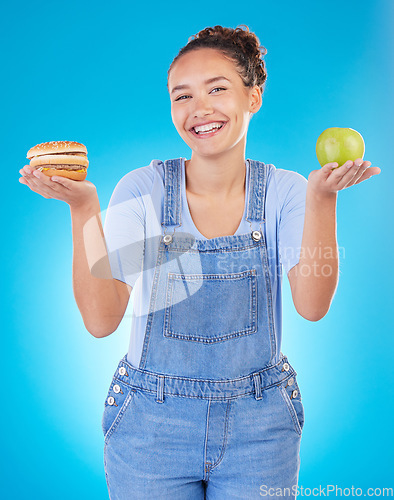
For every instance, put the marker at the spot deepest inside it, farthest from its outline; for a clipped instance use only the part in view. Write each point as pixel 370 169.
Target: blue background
pixel 96 73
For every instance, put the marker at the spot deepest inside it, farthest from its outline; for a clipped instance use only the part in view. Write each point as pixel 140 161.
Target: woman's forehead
pixel 201 65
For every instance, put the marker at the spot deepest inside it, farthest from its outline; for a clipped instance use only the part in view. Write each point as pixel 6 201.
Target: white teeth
pixel 208 128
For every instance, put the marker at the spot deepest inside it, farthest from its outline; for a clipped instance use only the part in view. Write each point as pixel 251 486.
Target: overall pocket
pixel 211 308
pixel 292 397
pixel 116 403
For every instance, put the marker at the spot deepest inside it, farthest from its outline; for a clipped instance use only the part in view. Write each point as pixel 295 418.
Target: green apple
pixel 339 145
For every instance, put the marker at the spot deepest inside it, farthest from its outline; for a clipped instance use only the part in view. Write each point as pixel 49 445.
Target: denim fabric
pixel 214 410
pixel 133 232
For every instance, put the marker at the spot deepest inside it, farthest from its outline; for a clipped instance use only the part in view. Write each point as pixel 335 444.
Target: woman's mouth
pixel 208 130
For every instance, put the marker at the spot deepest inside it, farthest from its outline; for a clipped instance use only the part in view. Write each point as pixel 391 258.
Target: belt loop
pixel 257 385
pixel 160 389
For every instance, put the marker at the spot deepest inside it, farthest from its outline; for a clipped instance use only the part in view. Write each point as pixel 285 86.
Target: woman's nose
pixel 202 106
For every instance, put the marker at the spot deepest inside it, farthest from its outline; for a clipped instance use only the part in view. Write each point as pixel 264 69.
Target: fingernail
pixel 349 164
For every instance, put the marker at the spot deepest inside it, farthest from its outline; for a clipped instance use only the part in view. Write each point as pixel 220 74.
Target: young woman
pixel 204 404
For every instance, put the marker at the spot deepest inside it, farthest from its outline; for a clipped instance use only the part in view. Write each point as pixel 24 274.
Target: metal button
pixel 256 235
pixel 294 394
pixel 117 389
pixel 286 367
pixel 167 239
pixel 290 381
pixel 122 370
pixel 111 401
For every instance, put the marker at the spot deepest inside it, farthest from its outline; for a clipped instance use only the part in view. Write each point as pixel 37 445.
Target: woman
pixel 204 404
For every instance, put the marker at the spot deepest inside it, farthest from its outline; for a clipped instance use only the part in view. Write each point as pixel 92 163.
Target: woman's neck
pixel 216 177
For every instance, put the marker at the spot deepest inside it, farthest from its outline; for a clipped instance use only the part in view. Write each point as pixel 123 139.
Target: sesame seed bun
pixel 46 148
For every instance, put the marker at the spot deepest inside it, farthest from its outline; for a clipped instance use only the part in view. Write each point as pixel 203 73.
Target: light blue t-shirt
pixel 133 222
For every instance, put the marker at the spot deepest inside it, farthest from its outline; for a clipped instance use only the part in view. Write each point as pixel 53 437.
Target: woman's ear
pixel 255 99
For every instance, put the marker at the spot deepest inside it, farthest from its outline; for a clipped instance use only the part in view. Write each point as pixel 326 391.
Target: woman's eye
pixel 219 88
pixel 181 97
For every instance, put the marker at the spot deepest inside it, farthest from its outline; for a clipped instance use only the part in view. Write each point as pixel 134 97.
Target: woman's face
pixel 225 102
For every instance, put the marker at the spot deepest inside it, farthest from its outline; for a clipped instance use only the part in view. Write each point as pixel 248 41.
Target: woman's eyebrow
pixel 211 80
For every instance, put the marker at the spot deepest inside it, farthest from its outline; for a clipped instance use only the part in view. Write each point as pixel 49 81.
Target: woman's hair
pixel 242 47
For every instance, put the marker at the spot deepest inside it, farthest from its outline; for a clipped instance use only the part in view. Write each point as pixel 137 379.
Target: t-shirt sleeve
pixel 124 227
pixel 291 189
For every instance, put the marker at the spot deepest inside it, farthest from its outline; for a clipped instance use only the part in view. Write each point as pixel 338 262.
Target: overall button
pixel 122 371
pixel 256 235
pixel 117 389
pixel 167 239
pixel 294 394
pixel 286 367
pixel 290 381
pixel 111 401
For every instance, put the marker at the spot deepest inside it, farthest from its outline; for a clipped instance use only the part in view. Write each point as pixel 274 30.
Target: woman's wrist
pixel 88 207
pixel 320 196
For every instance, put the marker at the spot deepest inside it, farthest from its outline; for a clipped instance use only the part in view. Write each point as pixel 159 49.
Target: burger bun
pixel 61 158
pixel 75 175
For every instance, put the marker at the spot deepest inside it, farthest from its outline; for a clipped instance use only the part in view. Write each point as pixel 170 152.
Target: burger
pixel 63 158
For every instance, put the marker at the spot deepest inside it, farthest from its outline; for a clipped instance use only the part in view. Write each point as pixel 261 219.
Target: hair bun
pixel 240 45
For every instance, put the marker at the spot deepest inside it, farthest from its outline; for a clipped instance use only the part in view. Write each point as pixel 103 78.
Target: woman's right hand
pixel 76 193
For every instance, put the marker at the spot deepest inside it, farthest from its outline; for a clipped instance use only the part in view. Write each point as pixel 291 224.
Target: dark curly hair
pixel 241 46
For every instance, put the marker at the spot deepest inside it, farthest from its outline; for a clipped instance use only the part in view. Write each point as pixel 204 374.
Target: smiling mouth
pixel 208 133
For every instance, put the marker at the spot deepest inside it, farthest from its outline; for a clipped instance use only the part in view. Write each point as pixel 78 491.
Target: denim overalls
pixel 214 410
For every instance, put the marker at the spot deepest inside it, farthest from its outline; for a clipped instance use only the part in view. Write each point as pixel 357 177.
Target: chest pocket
pixel 211 308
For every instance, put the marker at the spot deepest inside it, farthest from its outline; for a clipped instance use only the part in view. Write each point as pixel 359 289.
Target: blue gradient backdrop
pixel 96 72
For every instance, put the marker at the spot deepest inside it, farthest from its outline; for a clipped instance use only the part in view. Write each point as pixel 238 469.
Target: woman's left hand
pixel 330 178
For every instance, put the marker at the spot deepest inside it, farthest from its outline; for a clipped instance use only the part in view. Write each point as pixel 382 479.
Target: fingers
pixel 369 172
pixel 38 182
pixel 62 181
pixel 29 181
pixel 355 172
pixel 24 171
pixel 328 168
pixel 359 169
pixel 349 173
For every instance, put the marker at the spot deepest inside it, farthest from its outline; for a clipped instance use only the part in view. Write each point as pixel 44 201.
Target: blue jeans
pixel 179 439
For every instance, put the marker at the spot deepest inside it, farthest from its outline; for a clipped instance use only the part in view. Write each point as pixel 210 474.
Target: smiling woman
pixel 206 331
pixel 204 404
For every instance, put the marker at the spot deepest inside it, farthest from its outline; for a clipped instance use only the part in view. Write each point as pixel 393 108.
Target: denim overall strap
pixel 172 215
pixel 257 190
pixel 172 210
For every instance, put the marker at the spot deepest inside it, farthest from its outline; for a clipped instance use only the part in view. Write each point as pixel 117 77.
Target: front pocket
pixel 116 403
pixel 211 308
pixel 292 398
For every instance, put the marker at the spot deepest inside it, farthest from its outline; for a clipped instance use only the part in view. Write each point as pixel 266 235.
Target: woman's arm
pixel 101 299
pixel 314 279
